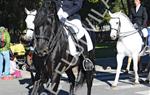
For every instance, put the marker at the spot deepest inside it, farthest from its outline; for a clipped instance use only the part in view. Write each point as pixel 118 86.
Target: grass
pixel 104 50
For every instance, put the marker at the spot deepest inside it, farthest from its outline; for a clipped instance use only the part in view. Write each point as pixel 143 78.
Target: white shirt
pixel 137 7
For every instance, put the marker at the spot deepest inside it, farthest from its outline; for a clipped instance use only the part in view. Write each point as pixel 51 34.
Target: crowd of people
pixel 8 68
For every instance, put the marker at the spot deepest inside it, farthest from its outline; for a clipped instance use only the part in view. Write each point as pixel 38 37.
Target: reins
pixel 126 34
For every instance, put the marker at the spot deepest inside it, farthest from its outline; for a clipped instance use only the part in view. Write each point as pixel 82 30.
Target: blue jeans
pixel 4 55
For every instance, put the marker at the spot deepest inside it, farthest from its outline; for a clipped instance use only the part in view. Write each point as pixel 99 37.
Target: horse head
pixel 115 25
pixel 121 26
pixel 28 32
pixel 45 26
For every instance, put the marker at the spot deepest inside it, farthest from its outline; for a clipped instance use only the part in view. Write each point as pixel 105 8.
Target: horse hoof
pixel 114 85
pixel 126 71
pixel 135 83
pixel 147 81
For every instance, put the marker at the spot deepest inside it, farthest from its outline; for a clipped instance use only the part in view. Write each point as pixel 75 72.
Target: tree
pixel 12 13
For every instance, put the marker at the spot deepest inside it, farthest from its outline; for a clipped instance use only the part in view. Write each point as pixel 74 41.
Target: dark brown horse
pixel 51 57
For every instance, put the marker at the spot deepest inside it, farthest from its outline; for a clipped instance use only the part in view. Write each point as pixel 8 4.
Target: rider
pixel 68 14
pixel 139 15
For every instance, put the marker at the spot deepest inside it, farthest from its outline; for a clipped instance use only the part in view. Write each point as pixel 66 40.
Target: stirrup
pixel 147 49
pixel 143 52
pixel 87 64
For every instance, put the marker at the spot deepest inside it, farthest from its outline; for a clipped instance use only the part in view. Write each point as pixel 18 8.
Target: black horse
pixel 51 57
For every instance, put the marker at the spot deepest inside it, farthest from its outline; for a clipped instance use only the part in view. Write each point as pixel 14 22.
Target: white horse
pixel 129 42
pixel 28 33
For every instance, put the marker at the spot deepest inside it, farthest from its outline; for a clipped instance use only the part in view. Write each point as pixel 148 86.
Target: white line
pixel 146 92
pixel 128 86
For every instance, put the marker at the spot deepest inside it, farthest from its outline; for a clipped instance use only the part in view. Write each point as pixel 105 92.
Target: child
pixel 14 71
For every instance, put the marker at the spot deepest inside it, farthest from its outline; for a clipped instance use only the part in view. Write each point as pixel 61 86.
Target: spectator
pixel 4 55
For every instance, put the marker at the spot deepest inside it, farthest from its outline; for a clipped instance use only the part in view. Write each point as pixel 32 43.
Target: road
pixel 101 84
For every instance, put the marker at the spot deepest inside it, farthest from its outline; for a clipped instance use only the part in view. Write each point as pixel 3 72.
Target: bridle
pixel 119 25
pixel 30 28
pixel 124 34
pixel 51 41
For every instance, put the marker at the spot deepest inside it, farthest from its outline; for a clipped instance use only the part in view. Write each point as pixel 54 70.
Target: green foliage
pixel 94 1
pixel 104 50
pixel 120 5
pixel 12 13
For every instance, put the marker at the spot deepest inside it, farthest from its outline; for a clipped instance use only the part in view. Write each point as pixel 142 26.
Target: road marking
pixel 128 86
pixel 146 92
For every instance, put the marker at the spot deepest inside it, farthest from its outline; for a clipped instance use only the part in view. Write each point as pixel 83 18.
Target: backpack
pixel 2 42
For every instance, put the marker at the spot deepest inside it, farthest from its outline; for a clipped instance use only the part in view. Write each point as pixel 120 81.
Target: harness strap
pixel 30 29
pixel 125 34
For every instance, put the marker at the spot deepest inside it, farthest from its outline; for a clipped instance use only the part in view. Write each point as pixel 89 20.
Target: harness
pixel 86 63
pixel 124 34
pixel 120 35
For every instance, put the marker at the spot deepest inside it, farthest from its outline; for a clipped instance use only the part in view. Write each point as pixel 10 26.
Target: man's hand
pixel 62 15
pixel 62 19
pixel 135 26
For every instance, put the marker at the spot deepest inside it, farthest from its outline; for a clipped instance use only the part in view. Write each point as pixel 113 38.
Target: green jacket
pixel 6 39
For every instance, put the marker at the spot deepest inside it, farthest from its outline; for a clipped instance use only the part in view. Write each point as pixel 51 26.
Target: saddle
pixel 86 63
pixel 145 47
pixel 144 34
pixel 72 40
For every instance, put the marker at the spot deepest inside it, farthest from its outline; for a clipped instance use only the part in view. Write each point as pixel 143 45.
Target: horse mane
pixel 47 16
pixel 43 13
pixel 125 16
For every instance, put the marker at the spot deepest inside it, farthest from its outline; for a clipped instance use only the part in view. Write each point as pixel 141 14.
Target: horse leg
pixel 71 77
pixel 89 81
pixel 35 88
pixel 135 64
pixel 32 77
pixel 128 64
pixel 148 78
pixel 139 65
pixel 55 83
pixel 120 58
pixel 148 70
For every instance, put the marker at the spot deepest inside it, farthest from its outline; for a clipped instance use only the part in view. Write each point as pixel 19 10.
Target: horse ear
pixel 110 13
pixel 120 11
pixel 27 11
pixel 35 12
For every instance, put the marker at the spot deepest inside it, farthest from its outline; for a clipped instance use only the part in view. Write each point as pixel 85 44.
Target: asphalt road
pixel 105 68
